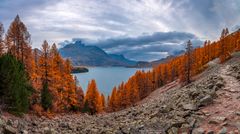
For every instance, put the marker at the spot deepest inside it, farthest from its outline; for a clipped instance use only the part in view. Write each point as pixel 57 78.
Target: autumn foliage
pixel 94 101
pixel 54 89
pixel 181 68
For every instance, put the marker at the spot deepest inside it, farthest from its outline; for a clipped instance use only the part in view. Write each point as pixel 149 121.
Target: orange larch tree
pixel 92 97
pixel 18 42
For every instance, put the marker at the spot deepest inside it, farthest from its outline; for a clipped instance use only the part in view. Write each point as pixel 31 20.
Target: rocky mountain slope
pixel 82 55
pixel 210 104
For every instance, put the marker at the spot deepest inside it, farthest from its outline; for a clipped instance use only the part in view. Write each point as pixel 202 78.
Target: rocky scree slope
pixel 195 108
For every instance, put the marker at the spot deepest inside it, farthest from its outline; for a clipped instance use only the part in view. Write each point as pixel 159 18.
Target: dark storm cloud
pixel 140 41
pixel 118 25
pixel 148 47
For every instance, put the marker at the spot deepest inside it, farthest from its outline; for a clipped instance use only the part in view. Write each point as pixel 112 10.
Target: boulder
pixel 1 122
pixel 9 130
pixel 210 132
pixel 217 120
pixel 24 132
pixel 223 131
pixel 198 131
pixel 190 107
pixel 210 86
pixel 206 100
pixel 220 84
pixel 216 88
pixel 237 113
pixel 48 130
pixel 173 130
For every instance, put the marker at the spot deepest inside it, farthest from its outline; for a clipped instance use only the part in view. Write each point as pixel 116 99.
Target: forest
pixel 41 82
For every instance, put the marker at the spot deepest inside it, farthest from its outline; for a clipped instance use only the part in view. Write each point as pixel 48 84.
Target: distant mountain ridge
pixel 82 55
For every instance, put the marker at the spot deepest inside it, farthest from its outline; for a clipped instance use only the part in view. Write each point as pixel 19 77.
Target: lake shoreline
pixel 106 77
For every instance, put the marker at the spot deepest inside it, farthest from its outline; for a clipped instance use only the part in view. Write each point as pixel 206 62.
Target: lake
pixel 106 77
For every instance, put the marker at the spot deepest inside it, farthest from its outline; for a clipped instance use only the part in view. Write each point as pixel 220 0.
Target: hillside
pixel 209 104
pixel 82 55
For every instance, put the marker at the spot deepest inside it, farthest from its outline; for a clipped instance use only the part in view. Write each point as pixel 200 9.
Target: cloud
pixel 149 47
pixel 146 47
pixel 59 20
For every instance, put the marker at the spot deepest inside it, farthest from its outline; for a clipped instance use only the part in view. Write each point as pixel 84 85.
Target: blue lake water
pixel 106 77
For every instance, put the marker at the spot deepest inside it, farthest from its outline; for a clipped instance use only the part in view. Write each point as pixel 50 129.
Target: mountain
pixel 163 60
pixel 123 59
pixel 154 63
pixel 82 55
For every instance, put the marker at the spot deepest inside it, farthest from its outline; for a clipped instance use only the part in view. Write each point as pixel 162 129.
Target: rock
pixel 198 131
pixel 124 130
pixel 224 124
pixel 178 122
pixel 134 130
pixel 216 88
pixel 1 122
pixel 192 122
pixel 34 123
pixel 210 86
pixel 210 132
pixel 63 125
pixel 217 120
pixel 237 124
pixel 48 130
pixel 173 130
pixel 9 122
pixel 238 113
pixel 189 107
pixel 206 100
pixel 213 93
pixel 219 84
pixel 24 132
pixel 223 131
pixel 9 130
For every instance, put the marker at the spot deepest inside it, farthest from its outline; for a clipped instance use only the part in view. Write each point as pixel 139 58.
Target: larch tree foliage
pixel 1 39
pixel 35 76
pixel 70 97
pixel 182 68
pixel 113 106
pixel 80 94
pixel 103 102
pixel 92 98
pixel 45 74
pixel 18 42
pixel 57 82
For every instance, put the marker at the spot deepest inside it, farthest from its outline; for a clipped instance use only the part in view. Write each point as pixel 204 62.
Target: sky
pixel 139 29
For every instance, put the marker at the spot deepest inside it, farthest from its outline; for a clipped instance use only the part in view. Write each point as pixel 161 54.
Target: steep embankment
pixel 209 104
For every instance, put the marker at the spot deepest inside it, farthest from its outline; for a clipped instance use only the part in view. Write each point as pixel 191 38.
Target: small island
pixel 79 69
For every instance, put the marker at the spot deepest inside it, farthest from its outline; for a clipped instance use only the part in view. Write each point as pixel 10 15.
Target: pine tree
pixel 46 97
pixel 14 86
pixel 1 39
